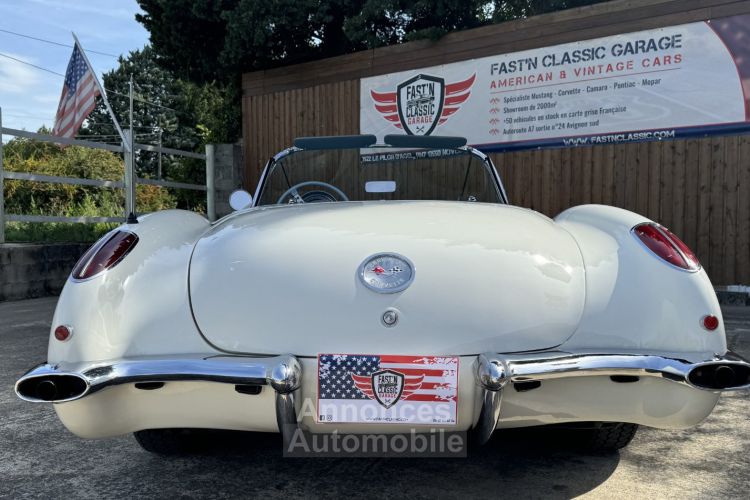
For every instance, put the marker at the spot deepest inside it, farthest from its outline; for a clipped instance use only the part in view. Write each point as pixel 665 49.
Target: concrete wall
pixel 229 171
pixel 30 270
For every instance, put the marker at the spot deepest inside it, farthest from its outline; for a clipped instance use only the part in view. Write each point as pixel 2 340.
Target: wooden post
pixel 210 183
pixel 130 196
pixel 2 184
pixel 130 179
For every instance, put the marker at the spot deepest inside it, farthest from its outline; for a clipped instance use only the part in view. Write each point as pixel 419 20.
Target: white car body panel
pixel 284 279
pixel 140 306
pixel 635 300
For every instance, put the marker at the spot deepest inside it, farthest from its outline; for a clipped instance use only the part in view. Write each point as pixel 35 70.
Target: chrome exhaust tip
pixel 51 388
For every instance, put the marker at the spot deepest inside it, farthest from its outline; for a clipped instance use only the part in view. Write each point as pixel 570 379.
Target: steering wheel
pixel 311 196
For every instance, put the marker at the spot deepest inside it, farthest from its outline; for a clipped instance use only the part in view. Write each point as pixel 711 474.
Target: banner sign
pixel 679 81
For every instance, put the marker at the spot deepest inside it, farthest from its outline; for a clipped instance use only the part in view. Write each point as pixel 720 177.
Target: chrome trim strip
pixel 267 168
pixel 283 373
pixel 286 416
pixel 548 365
pixel 491 375
pixel 499 186
pixel 493 372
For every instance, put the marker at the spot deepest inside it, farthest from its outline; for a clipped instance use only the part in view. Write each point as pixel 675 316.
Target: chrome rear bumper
pixel 493 372
pixel 283 373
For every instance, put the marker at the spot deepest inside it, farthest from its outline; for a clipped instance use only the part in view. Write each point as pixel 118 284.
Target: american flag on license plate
pixel 78 96
pixel 357 388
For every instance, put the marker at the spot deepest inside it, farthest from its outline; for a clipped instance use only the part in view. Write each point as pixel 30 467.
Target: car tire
pixel 607 437
pixel 170 441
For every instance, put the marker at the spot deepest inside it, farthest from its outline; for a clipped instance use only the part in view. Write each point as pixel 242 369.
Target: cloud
pixel 47 98
pixel 15 77
pixel 88 7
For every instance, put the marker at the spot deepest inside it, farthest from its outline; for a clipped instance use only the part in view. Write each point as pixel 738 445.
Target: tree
pixel 507 11
pixel 216 40
pixel 180 114
pixel 161 90
pixel 185 113
pixel 212 42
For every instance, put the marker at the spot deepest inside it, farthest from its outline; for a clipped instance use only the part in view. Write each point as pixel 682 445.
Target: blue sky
pixel 28 96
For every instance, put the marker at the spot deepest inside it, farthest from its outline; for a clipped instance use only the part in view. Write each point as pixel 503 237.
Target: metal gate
pixel 127 184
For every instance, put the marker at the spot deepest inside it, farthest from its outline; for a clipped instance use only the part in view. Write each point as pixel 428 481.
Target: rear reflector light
pixel 710 322
pixel 667 246
pixel 105 254
pixel 63 333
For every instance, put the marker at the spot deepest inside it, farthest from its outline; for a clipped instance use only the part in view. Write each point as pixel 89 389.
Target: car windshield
pixel 306 176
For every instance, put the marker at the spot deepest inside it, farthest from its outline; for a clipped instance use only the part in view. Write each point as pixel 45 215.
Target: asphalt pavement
pixel 40 458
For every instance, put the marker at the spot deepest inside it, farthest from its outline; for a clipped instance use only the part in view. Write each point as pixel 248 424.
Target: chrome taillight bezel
pixel 92 253
pixel 692 265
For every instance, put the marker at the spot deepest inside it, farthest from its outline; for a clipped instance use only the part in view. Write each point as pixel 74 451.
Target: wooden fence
pixel 699 188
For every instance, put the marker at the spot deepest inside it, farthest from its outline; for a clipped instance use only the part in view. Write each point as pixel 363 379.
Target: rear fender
pixel 140 306
pixel 633 298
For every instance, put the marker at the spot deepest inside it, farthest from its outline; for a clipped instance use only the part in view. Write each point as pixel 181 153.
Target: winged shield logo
pixel 387 387
pixel 422 102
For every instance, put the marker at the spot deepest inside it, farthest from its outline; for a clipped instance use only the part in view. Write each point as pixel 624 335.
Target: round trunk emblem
pixel 387 273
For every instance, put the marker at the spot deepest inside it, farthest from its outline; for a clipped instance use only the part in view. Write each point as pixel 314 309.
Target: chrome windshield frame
pixel 499 187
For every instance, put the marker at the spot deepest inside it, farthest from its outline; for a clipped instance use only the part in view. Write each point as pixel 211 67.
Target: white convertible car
pixel 375 288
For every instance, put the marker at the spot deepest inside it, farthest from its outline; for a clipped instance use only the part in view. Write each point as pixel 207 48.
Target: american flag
pixel 346 378
pixel 78 96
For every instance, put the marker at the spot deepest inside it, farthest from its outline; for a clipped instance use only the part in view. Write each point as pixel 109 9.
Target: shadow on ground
pixel 248 464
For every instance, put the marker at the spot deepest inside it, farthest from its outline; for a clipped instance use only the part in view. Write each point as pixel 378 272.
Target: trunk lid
pixel 486 278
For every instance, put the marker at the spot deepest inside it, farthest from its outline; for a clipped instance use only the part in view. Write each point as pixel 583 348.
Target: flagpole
pixel 130 194
pixel 103 94
pixel 127 142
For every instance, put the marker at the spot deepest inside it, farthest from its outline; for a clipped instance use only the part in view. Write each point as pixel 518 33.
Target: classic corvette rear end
pixel 378 288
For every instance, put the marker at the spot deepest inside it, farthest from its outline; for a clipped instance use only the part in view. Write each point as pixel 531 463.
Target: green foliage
pixel 388 22
pixel 210 43
pixel 507 11
pixel 42 198
pixel 216 40
pixel 26 232
pixel 181 115
pixel 214 109
pixel 156 85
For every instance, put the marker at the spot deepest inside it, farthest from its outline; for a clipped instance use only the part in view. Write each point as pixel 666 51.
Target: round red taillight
pixel 667 246
pixel 710 322
pixel 105 254
pixel 63 333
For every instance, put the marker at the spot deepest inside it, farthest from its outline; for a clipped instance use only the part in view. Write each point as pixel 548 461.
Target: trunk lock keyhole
pixel 390 318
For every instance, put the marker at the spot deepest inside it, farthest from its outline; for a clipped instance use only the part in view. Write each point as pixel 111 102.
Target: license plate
pixel 387 389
